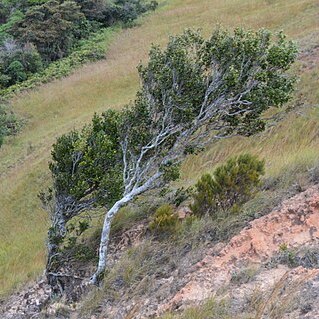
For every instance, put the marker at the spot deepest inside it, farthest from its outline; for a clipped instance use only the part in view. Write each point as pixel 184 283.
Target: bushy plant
pixel 54 34
pixel 8 123
pixel 17 62
pixel 164 220
pixel 230 185
pixel 127 10
pixel 181 195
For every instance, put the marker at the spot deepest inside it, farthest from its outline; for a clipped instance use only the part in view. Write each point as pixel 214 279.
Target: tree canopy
pixel 193 91
pixel 52 27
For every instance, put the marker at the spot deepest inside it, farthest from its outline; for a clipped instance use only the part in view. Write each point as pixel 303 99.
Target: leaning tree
pixel 192 92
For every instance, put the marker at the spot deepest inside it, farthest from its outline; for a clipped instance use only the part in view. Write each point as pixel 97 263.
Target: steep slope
pixel 60 106
pixel 251 263
pixel 294 225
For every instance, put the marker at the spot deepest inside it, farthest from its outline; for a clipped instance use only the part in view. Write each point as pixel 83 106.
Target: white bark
pixel 105 235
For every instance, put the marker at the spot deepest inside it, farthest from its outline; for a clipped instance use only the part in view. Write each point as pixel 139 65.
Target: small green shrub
pixel 17 63
pixel 229 187
pixel 8 123
pixel 164 220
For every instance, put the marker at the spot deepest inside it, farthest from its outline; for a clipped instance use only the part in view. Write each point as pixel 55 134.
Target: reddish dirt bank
pixel 294 225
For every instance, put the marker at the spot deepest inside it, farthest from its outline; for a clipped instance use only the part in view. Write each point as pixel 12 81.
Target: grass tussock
pixel 60 106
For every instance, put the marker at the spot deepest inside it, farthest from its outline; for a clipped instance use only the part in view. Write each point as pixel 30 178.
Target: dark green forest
pixel 35 33
pixel 41 40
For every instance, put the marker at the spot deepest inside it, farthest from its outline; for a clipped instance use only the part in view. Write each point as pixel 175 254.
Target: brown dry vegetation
pixel 66 104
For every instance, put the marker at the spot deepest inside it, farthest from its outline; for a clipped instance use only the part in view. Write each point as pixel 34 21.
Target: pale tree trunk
pixel 105 235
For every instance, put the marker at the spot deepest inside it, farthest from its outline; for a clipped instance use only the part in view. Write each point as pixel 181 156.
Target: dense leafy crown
pixel 88 162
pixel 191 92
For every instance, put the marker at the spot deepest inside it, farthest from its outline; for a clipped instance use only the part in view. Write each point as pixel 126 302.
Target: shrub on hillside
pixel 17 62
pixel 128 10
pixel 8 123
pixel 164 220
pixel 230 186
pixel 55 33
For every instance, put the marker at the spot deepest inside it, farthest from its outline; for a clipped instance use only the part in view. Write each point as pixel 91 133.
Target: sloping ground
pixel 63 105
pixel 295 224
pixel 35 298
pixel 273 288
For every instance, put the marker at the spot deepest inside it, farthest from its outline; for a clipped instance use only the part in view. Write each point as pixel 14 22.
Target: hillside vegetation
pixel 34 34
pixel 291 146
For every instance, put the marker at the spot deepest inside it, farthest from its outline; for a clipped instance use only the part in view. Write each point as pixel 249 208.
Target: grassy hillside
pixel 63 105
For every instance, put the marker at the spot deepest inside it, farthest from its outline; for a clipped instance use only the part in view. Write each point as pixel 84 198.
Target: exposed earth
pixel 273 260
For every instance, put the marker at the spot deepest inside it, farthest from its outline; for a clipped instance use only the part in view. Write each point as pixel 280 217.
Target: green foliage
pixel 107 13
pixel 93 10
pixel 55 29
pixel 274 89
pixel 52 27
pixel 87 162
pixel 9 21
pixel 181 195
pixel 181 57
pixel 8 123
pixel 74 244
pixel 16 71
pixel 127 10
pixel 241 59
pixel 164 220
pixel 229 187
pixel 171 171
pixel 82 252
pixel 17 62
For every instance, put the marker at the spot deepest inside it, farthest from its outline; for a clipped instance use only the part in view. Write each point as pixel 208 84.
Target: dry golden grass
pixel 68 103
